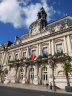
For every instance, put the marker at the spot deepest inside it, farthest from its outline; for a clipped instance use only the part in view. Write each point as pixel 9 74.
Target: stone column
pixel 49 74
pixel 39 50
pixel 2 58
pixel 65 45
pixel 24 76
pixel 27 74
pixel 35 75
pixel 39 73
pixel 20 54
pixel 68 44
pixel 12 75
pixel 18 74
pixel 13 56
pixel 28 52
pixel 49 50
pixel 52 47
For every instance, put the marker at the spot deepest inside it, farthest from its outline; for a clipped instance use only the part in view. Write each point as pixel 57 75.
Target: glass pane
pixel 45 50
pixel 24 54
pixel 59 48
pixel 46 76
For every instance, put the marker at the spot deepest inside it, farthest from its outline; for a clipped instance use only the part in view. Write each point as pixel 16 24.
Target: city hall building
pixel 50 37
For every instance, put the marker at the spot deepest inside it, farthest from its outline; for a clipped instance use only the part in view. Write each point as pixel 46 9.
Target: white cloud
pixel 12 12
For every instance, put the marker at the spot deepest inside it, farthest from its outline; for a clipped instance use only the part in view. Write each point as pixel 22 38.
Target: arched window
pixel 31 73
pixel 21 73
pixel 44 75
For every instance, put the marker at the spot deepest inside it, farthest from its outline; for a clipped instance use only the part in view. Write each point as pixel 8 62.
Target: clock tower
pixel 42 16
pixel 41 22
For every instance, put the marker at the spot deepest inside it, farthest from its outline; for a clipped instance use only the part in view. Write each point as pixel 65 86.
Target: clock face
pixel 35 30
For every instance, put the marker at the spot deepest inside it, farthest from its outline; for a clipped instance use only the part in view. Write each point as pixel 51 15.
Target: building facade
pixel 51 38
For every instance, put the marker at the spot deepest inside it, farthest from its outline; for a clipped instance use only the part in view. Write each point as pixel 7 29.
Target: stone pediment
pixel 58 40
pixel 33 46
pixel 43 44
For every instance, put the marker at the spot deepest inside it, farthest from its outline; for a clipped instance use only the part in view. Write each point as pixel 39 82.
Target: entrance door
pixel 31 75
pixel 44 75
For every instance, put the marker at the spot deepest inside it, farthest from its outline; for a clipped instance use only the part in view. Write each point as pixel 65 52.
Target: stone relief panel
pixel 57 27
pixel 36 30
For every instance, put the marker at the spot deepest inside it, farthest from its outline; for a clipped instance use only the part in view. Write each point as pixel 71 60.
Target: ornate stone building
pixel 50 37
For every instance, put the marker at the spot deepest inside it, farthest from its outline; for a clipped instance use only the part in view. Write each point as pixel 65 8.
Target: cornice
pixel 40 38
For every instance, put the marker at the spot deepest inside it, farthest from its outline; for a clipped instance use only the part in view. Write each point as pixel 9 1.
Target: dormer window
pixel 57 27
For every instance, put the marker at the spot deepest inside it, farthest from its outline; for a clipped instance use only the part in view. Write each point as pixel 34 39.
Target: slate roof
pixel 62 21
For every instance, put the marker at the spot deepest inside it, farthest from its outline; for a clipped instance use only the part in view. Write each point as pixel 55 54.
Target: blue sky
pixel 17 15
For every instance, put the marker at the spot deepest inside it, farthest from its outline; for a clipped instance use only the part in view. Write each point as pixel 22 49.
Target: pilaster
pixel 35 75
pixel 68 44
pixel 49 46
pixel 65 45
pixel 52 47
pixel 39 49
pixel 24 76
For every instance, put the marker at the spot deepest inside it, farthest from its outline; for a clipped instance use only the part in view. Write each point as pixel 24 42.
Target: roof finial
pixel 66 21
pixel 41 4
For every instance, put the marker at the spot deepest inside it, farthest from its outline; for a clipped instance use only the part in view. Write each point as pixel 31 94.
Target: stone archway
pixel 21 74
pixel 44 75
pixel 5 72
pixel 27 74
pixel 4 75
pixel 31 75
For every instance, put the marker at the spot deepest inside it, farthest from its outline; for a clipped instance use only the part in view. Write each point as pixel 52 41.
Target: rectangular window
pixel 24 54
pixel 59 47
pixel 45 51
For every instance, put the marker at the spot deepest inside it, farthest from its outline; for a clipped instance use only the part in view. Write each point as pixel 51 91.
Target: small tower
pixel 42 16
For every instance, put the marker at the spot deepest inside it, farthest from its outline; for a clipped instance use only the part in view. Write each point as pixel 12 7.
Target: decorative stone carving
pixel 57 27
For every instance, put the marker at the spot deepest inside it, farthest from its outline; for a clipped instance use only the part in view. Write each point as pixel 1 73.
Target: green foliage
pixel 42 59
pixel 67 67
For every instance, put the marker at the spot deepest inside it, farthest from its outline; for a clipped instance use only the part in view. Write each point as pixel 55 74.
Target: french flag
pixel 32 56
